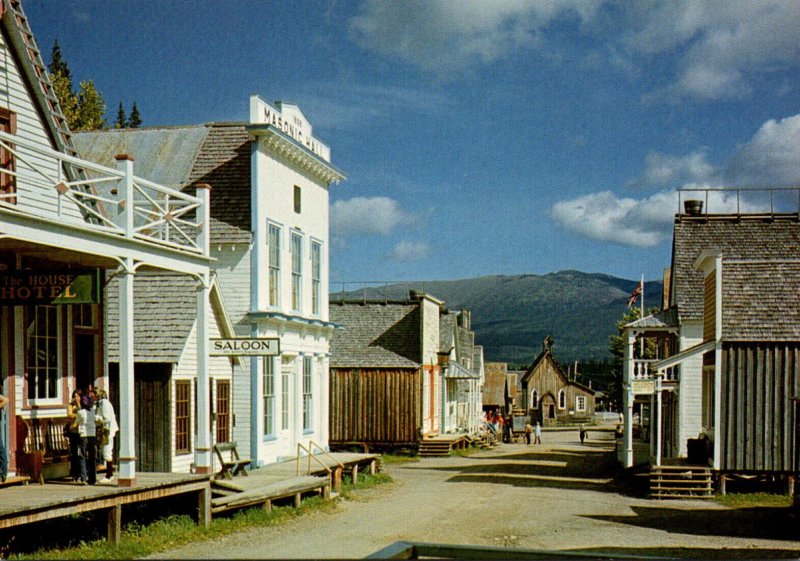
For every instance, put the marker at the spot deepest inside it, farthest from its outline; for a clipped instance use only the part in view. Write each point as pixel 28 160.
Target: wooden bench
pixel 233 464
pixel 45 451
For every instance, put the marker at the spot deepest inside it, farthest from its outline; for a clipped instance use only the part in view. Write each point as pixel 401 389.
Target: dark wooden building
pixel 385 383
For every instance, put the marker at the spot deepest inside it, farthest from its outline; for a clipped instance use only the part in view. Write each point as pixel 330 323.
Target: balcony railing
pixel 643 370
pixel 743 201
pixel 113 201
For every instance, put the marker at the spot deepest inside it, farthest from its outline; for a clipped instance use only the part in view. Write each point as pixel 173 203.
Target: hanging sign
pixel 57 286
pixel 244 346
pixel 646 387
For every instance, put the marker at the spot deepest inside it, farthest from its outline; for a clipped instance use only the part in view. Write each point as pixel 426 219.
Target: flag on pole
pixel 636 293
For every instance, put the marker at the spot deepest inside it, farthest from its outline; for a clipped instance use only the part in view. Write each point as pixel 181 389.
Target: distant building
pixel 550 396
pixel 496 392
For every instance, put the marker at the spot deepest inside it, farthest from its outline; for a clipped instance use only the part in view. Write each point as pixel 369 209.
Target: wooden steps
pixel 228 498
pixel 681 482
pixel 430 448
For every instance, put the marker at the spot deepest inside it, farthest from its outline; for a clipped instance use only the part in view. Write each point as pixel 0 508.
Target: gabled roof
pixel 547 355
pixel 178 157
pixel 495 385
pixel 375 334
pixel 760 300
pixel 754 238
pixel 664 319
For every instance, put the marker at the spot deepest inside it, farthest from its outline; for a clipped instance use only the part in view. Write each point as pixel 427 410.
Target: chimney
pixel 693 207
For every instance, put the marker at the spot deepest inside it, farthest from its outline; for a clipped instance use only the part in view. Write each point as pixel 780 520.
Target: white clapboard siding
pixel 36 194
pixel 233 271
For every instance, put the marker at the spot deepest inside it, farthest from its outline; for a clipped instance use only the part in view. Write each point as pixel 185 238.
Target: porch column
pixel 126 419
pixel 629 397
pixel 657 420
pixel 202 450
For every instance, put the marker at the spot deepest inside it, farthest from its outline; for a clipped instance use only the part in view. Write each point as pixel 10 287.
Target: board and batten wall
pixel 759 381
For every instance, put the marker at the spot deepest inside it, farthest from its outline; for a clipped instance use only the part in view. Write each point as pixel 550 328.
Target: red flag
pixel 635 294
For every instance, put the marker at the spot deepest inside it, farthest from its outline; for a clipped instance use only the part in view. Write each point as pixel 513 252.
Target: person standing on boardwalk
pixel 73 407
pixel 104 414
pixel 88 443
pixel 537 432
pixel 3 454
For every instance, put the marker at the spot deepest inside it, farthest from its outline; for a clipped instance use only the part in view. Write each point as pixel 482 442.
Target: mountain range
pixel 512 315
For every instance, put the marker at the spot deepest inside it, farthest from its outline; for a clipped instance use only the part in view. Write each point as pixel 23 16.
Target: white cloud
pixel 770 159
pixel 447 36
pixel 367 215
pixel 722 46
pixel 665 169
pixel 410 251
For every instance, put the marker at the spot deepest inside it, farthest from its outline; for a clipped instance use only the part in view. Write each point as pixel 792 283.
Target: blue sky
pixel 483 137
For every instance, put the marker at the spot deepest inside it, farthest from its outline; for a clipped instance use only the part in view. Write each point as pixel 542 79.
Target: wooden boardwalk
pixel 25 504
pixel 289 478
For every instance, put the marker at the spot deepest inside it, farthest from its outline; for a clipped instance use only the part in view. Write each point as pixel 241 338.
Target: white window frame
pixel 268 397
pixel 52 363
pixel 285 397
pixel 296 248
pixel 316 277
pixel 274 263
pixel 534 404
pixel 308 395
pixel 562 399
pixel 580 403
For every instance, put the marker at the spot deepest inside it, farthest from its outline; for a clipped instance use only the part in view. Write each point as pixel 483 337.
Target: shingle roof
pixel 494 385
pixel 375 335
pixel 760 301
pixel 177 157
pixel 166 309
pixel 737 239
pixel 662 319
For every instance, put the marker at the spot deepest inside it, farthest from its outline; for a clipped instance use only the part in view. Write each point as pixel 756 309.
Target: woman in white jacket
pixel 105 415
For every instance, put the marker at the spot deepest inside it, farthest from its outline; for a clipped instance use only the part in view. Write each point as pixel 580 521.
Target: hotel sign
pixel 60 286
pixel 243 346
pixel 646 387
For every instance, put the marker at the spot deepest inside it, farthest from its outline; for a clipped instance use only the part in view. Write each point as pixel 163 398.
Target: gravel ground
pixel 558 495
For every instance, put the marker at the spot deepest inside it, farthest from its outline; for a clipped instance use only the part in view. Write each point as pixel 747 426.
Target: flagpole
pixel 641 313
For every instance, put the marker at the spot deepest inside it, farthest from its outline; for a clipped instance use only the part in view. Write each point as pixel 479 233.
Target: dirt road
pixel 558 495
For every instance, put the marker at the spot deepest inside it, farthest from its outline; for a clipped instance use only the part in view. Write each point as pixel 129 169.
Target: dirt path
pixel 558 495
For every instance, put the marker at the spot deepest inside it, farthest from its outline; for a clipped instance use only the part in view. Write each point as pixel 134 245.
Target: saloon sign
pixel 61 286
pixel 243 346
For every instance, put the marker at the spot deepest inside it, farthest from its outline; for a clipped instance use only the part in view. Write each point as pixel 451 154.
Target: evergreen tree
pixel 121 121
pixel 62 85
pixel 135 120
pixel 91 107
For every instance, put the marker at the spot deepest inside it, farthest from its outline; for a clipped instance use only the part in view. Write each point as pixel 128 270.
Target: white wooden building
pixel 269 243
pixel 66 226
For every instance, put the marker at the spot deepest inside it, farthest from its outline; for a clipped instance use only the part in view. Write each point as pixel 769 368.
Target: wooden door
pixel 151 415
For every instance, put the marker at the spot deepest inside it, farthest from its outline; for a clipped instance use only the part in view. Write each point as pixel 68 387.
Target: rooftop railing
pixel 741 201
pixel 114 201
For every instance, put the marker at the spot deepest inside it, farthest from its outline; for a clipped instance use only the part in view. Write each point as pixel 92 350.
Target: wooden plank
pixel 204 507
pixel 115 524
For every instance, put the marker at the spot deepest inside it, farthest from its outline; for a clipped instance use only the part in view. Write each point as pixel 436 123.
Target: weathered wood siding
pixel 709 307
pixel 376 406
pixel 759 381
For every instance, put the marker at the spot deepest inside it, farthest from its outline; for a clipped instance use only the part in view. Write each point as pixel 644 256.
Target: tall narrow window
pixel 297 199
pixel 269 395
pixel 223 411
pixel 274 264
pixel 41 345
pixel 316 277
pixel 183 443
pixel 534 399
pixel 307 395
pixel 297 272
pixel 8 181
pixel 285 376
pixel 562 399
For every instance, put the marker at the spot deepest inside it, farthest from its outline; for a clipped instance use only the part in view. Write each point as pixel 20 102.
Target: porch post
pixel 202 450
pixel 628 397
pixel 127 443
pixel 657 420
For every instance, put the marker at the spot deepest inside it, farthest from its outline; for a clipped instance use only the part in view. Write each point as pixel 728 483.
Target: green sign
pixel 61 286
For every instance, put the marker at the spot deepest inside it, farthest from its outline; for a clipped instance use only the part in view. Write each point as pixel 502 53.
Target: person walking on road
pixel 537 433
pixel 582 433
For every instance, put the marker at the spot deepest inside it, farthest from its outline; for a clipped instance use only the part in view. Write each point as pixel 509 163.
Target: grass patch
pixel 465 452
pixel 140 540
pixel 390 459
pixel 749 500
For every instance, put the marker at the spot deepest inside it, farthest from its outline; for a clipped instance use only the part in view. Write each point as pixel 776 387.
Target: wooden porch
pixel 442 444
pixel 26 504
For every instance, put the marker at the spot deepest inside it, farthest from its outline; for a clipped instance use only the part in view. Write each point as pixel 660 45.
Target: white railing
pixel 643 370
pixel 98 197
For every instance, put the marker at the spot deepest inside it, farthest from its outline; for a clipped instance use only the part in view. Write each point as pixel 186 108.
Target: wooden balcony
pixel 643 369
pixel 53 186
